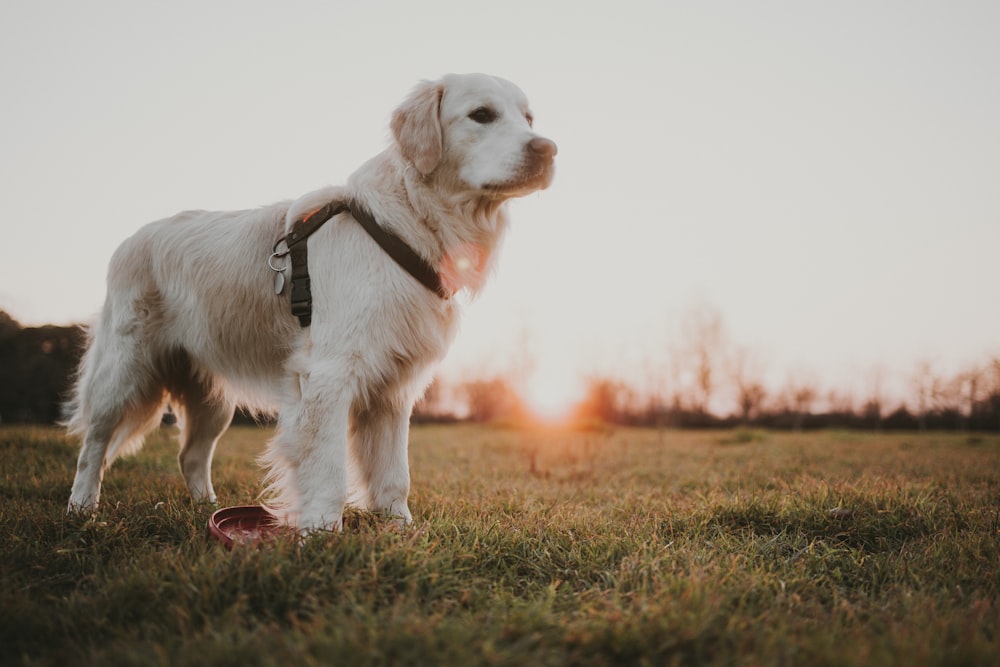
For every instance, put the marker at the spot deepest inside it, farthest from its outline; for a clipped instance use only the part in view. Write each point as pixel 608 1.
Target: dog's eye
pixel 530 119
pixel 483 115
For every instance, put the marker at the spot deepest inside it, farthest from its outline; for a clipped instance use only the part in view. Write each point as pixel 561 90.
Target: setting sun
pixel 553 396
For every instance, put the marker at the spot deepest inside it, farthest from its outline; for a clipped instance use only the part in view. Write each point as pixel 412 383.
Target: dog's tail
pixel 73 416
pixel 100 404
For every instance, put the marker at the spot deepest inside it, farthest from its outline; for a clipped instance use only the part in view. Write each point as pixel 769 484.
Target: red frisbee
pixel 242 526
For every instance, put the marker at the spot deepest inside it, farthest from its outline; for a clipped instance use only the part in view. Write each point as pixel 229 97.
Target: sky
pixel 824 175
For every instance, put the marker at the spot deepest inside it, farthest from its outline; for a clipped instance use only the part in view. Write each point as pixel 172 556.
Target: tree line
pixel 960 402
pixel 37 365
pixel 710 382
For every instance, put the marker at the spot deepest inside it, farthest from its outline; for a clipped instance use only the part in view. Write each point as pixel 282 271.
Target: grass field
pixel 631 547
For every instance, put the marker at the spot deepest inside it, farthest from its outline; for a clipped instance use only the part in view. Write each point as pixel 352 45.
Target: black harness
pixel 298 255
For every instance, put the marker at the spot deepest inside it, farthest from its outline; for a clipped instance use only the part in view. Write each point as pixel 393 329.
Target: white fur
pixel 191 318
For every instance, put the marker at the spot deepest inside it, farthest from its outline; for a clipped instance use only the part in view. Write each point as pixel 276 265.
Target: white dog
pixel 197 314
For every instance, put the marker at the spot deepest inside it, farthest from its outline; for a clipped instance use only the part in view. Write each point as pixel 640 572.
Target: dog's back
pixel 187 320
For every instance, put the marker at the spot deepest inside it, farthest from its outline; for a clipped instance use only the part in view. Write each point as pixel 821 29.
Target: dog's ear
pixel 416 126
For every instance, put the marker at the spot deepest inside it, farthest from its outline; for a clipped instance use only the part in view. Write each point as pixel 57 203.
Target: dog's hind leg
pixel 117 404
pixel 204 418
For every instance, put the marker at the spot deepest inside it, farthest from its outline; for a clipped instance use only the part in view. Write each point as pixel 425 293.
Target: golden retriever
pixel 196 315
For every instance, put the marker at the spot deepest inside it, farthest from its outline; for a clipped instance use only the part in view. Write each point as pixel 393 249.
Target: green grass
pixel 632 547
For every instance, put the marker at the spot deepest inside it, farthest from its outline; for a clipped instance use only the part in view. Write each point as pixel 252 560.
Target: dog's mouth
pixel 533 175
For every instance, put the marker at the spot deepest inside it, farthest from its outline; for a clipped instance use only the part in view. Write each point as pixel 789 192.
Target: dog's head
pixel 473 132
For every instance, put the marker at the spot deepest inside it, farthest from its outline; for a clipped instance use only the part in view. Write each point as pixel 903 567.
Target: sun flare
pixel 552 397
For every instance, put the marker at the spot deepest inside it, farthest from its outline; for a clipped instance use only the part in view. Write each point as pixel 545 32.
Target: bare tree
pixel 703 337
pixel 656 392
pixel 968 385
pixel 607 400
pixel 993 391
pixel 923 383
pixel 875 401
pixel 488 400
pixel 946 398
pixel 801 392
pixel 839 403
pixel 746 373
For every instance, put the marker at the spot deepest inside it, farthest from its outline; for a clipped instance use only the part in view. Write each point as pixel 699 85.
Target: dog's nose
pixel 543 147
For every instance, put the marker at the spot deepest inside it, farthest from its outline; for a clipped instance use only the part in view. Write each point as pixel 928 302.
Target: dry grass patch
pixel 529 547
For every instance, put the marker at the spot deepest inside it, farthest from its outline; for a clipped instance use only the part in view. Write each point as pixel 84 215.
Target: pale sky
pixel 826 175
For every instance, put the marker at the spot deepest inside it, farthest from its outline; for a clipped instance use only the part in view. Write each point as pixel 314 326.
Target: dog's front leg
pixel 308 457
pixel 381 449
pixel 322 480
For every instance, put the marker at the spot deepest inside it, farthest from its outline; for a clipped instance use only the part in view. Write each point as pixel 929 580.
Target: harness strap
pixel 403 254
pixel 392 245
pixel 298 254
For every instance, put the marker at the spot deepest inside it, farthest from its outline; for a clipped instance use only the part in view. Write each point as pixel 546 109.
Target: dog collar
pixel 297 251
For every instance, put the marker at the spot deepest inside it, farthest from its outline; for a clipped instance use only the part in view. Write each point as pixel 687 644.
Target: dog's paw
pixel 81 507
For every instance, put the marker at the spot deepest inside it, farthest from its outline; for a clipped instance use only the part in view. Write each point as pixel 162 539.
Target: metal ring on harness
pixel 279 255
